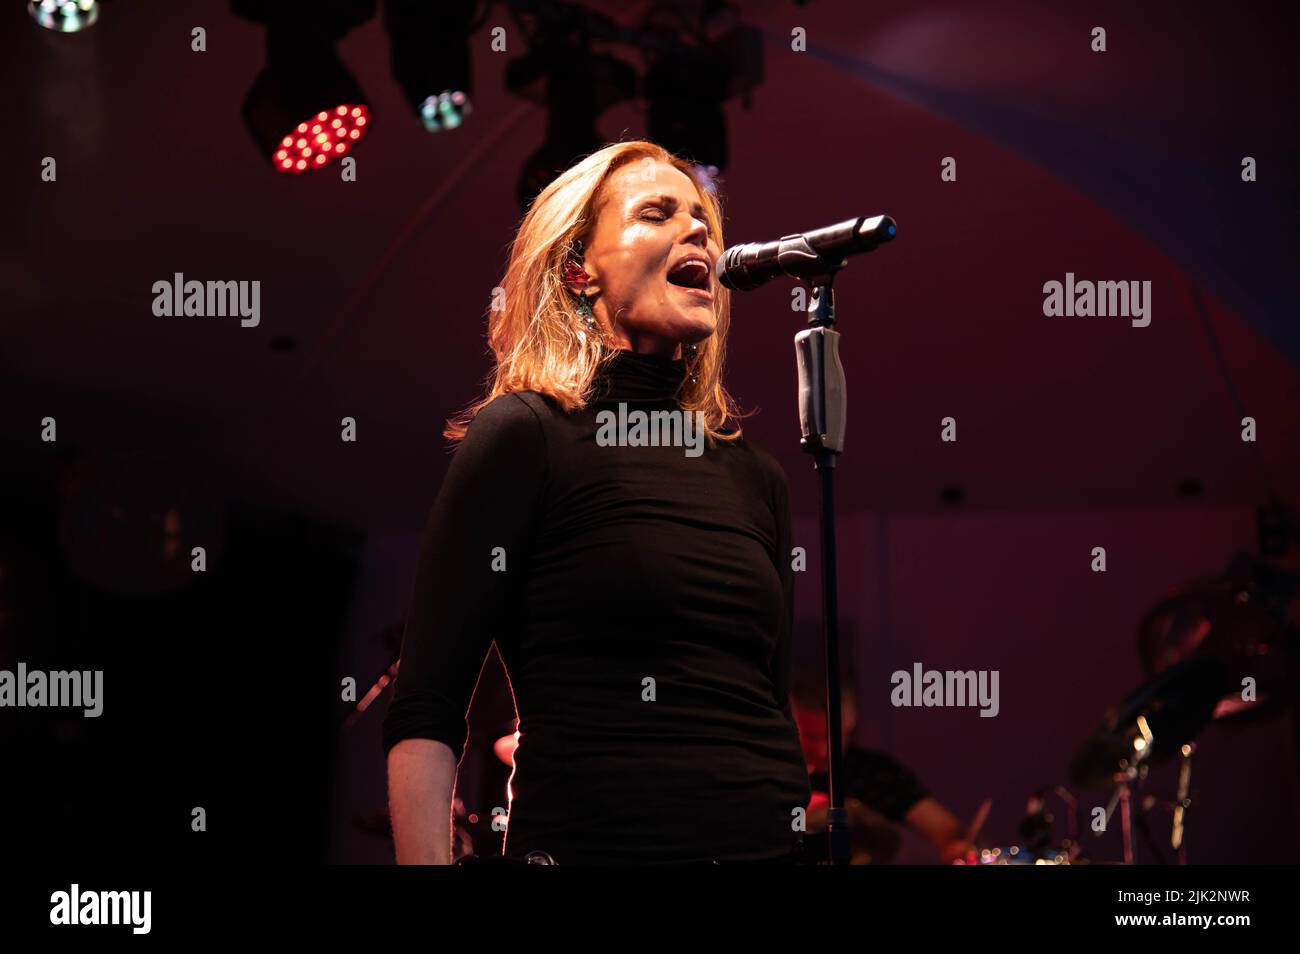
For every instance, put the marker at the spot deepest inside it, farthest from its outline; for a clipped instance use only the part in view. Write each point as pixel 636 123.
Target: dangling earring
pixel 690 353
pixel 575 274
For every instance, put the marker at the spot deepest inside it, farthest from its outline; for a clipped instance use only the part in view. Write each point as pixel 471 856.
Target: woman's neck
pixel 640 342
pixel 629 375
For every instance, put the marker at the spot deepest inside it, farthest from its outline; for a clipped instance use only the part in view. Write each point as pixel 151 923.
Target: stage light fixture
pixel 687 82
pixel 429 46
pixel 447 110
pixel 64 16
pixel 576 85
pixel 304 109
pixel 685 90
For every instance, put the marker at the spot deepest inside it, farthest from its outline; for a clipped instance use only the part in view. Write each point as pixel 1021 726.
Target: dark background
pixel 222 690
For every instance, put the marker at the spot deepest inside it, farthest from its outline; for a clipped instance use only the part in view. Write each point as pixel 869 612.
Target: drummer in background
pixel 877 780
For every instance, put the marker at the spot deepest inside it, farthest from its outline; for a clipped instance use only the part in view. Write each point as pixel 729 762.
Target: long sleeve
pixel 461 598
pixel 784 655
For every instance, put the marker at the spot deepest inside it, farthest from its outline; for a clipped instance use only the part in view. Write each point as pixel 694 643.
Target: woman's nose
pixel 698 233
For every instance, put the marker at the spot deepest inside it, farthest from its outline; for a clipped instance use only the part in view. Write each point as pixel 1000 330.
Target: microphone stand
pixel 814 258
pixel 821 419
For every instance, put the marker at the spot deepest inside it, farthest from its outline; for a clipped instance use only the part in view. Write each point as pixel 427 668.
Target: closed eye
pixel 663 215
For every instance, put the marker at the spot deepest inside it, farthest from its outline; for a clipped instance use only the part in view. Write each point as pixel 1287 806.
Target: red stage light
pixel 323 142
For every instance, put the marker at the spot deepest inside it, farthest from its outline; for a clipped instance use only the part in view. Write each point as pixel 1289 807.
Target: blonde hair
pixel 538 339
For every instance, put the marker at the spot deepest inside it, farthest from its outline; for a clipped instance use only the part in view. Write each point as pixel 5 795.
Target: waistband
pixel 795 856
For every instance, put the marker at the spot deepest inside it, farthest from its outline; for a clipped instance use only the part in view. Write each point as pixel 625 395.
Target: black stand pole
pixel 821 421
pixel 821 417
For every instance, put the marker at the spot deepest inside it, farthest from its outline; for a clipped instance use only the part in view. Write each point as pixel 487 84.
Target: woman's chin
pixel 686 326
pixel 693 328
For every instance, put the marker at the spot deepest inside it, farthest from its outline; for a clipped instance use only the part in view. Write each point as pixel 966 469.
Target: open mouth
pixel 693 275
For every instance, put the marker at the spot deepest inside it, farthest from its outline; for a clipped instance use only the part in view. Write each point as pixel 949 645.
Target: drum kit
pixel 1220 651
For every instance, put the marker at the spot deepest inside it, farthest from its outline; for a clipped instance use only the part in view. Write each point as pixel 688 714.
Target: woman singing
pixel 640 596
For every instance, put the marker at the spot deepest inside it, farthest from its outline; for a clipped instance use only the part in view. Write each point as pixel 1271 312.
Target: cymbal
pixel 1230 620
pixel 1154 721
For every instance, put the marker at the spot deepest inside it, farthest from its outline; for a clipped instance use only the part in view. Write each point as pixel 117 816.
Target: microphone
pixel 803 255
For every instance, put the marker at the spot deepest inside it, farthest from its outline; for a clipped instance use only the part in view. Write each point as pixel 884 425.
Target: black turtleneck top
pixel 641 600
